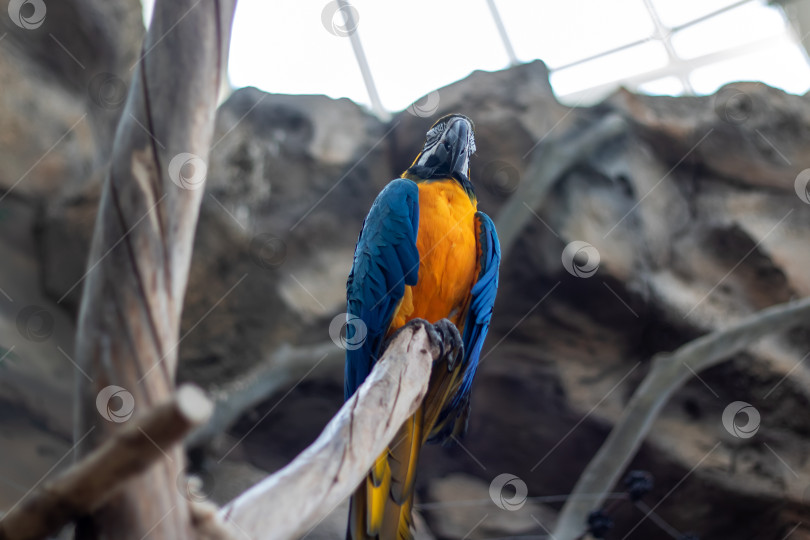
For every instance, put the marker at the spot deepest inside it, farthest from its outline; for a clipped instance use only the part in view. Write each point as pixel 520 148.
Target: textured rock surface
pixel 53 125
pixel 693 212
pixel 64 82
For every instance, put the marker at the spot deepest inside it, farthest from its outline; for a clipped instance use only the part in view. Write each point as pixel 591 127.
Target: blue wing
pixel 453 420
pixel 385 261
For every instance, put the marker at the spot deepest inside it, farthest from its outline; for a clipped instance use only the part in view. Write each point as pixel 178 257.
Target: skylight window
pixel 411 48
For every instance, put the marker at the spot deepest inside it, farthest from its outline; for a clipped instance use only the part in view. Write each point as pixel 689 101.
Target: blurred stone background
pixel 693 210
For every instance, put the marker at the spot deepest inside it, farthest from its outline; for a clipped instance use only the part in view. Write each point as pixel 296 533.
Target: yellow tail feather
pixel 382 506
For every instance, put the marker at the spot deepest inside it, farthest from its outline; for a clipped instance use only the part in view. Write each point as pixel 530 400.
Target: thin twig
pixel 283 368
pixel 552 160
pixel 669 372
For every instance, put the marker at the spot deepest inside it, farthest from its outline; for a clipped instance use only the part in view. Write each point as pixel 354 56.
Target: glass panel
pixel 783 66
pixel 665 86
pixel 563 32
pixel 677 12
pixel 738 26
pixel 417 46
pixel 310 60
pixel 613 67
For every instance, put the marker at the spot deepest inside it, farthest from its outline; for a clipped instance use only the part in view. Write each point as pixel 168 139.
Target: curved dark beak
pixel 449 155
pixel 456 142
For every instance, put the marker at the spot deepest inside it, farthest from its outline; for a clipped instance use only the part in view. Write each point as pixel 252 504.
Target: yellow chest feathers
pixel 447 244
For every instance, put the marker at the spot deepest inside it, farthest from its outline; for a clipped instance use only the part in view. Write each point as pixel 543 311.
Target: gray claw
pixel 433 336
pixel 444 336
pixel 452 346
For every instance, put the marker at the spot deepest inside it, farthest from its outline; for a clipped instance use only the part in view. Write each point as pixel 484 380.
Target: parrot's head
pixel 449 143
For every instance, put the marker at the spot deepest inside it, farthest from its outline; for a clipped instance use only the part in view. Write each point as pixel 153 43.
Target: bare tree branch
pixel 669 371
pixel 553 159
pixel 99 475
pixel 297 497
pixel 285 367
pixel 130 311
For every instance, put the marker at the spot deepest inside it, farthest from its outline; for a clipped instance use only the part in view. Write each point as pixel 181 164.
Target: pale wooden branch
pixel 669 371
pixel 85 486
pixel 129 317
pixel 552 160
pixel 285 367
pixel 296 498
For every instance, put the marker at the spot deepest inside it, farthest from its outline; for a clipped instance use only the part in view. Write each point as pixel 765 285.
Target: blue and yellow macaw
pixel 424 252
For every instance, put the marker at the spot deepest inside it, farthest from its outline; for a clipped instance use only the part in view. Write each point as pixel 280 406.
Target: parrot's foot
pixel 451 346
pixel 444 336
